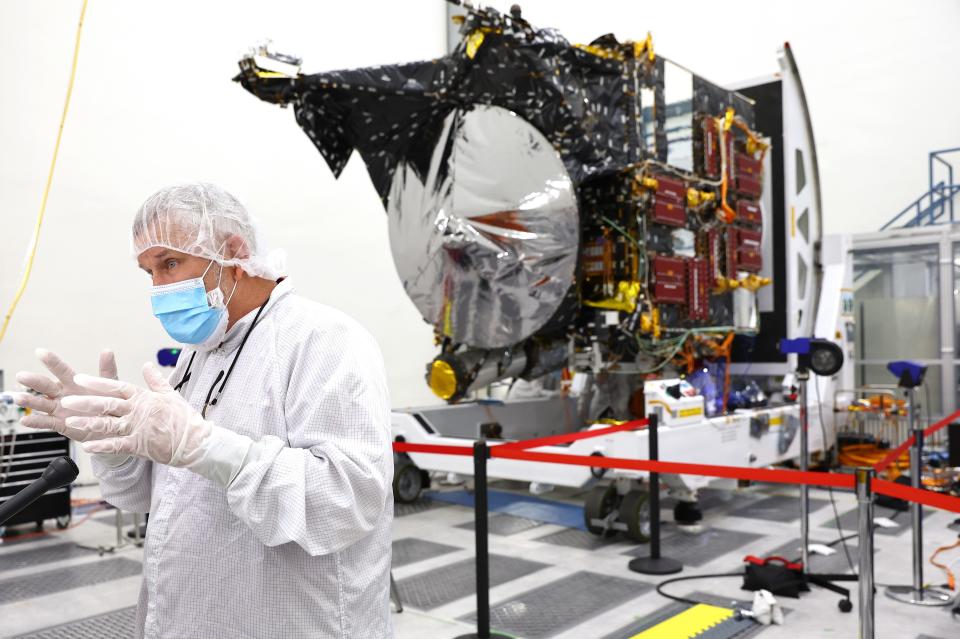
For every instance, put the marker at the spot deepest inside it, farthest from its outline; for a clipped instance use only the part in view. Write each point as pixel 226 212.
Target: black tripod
pixel 822 580
pixel 824 358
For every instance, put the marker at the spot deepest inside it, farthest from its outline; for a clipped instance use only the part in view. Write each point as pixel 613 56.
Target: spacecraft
pixel 594 211
pixel 551 205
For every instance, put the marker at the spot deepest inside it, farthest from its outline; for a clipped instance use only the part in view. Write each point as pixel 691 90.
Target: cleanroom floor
pixel 546 580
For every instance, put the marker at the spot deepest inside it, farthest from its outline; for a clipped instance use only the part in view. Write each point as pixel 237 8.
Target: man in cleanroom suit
pixel 265 461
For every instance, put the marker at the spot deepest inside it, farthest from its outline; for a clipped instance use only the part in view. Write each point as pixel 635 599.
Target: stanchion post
pixel 654 489
pixel 864 487
pixel 916 510
pixel 916 593
pixel 654 564
pixel 481 453
pixel 803 377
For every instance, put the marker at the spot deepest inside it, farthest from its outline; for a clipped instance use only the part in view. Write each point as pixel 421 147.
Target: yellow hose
pixel 46 191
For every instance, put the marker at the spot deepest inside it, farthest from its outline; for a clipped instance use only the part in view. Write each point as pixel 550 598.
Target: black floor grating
pixel 44 554
pixel 504 524
pixel 573 538
pixel 118 624
pixel 777 508
pixel 59 579
pixel 419 506
pixel 714 498
pixel 562 604
pixel 410 550
pixel 440 586
pixel 697 549
pixel 526 614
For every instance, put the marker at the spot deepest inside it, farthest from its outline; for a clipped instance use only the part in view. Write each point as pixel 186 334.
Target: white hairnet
pixel 198 219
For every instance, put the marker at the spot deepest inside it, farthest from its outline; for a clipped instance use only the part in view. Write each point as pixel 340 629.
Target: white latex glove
pixel 52 413
pixel 153 422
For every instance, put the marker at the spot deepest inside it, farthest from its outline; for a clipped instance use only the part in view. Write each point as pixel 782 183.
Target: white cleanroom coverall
pixel 298 543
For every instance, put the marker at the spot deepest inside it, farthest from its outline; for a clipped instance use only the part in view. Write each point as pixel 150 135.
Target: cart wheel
pixel 845 605
pixel 407 482
pixel 601 501
pixel 635 513
pixel 425 475
pixel 596 471
pixel 63 521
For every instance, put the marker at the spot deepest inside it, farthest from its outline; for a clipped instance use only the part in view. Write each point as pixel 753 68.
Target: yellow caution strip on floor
pixel 689 623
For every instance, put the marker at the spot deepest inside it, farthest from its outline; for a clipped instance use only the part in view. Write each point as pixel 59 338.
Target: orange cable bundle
pixel 686 358
pixel 725 349
pixel 854 455
pixel 951 580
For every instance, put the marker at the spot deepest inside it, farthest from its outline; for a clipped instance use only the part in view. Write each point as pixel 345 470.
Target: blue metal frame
pixel 936 205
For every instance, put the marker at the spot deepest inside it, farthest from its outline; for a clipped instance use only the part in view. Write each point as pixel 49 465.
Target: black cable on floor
pixel 833 502
pixel 659 586
pixel 842 539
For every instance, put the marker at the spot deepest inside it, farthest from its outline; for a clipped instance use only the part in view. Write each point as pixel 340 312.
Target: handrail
pixel 955 149
pixel 940 195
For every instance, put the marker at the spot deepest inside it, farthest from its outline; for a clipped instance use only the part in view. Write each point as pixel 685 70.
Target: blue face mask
pixel 189 313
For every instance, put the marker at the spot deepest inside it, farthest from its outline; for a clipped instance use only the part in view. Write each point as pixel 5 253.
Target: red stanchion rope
pixel 926 497
pixel 566 438
pixel 832 480
pixel 826 480
pixel 894 454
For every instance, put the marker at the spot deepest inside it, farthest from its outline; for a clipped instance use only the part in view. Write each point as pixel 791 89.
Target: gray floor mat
pixel 777 508
pixel 419 506
pixel 440 586
pixel 697 549
pixel 505 524
pixel 112 625
pixel 715 498
pixel 410 550
pixel 44 554
pixel 60 579
pixel 573 538
pixel 554 607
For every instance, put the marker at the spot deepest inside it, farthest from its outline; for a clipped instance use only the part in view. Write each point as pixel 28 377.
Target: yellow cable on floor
pixel 689 623
pixel 46 191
